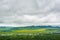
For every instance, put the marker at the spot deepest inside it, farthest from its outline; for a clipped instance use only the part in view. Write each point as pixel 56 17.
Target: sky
pixel 29 12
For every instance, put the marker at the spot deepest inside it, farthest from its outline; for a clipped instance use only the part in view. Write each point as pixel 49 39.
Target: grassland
pixel 29 33
pixel 32 37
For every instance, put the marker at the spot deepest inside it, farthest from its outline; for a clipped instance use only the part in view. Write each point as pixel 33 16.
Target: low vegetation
pixel 32 37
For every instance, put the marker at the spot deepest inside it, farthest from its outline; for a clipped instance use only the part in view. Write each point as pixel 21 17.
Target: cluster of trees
pixel 32 37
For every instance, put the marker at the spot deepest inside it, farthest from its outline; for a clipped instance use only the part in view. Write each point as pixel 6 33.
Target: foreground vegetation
pixel 53 36
pixel 30 33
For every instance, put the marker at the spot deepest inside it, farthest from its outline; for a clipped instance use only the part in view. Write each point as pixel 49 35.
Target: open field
pixel 32 33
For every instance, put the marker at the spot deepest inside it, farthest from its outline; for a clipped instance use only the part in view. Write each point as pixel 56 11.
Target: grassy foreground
pixel 32 37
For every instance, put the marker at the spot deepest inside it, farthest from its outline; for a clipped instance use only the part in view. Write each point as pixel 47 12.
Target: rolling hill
pixel 29 30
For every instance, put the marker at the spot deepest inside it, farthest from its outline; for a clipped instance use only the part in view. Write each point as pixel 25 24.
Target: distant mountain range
pixel 44 26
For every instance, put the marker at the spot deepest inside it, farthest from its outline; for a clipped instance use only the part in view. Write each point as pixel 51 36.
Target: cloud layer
pixel 29 12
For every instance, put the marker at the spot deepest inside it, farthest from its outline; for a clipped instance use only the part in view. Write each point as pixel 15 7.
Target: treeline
pixel 32 37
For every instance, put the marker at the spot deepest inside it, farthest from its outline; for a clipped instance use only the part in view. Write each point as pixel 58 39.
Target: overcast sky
pixel 29 12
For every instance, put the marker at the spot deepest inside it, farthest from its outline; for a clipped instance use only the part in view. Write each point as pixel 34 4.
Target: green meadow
pixel 29 33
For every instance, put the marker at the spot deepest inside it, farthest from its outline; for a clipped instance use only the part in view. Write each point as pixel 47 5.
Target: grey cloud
pixel 20 7
pixel 15 11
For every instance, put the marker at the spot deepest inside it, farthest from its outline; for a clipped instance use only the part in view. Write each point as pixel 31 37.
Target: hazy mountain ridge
pixel 27 27
pixel 42 26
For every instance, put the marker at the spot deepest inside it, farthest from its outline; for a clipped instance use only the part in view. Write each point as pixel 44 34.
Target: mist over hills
pixel 40 26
